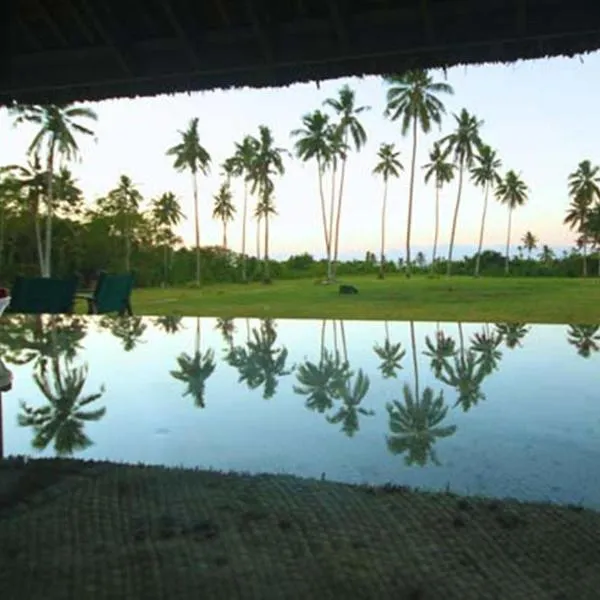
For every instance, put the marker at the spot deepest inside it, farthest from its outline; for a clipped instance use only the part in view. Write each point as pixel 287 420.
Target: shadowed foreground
pixel 70 529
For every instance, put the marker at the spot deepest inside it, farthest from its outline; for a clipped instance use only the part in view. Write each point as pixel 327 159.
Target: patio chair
pixel 112 294
pixel 42 295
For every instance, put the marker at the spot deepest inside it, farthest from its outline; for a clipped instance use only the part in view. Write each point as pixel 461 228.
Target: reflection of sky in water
pixel 536 436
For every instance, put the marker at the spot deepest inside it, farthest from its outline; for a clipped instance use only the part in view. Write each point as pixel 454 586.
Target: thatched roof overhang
pixel 67 50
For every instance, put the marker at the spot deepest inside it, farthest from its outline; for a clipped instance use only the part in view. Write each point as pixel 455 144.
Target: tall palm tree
pixel 529 243
pixel 352 133
pixel 352 395
pixel 313 143
pixel 241 163
pixel 190 155
pixel 413 98
pixel 442 173
pixel 577 216
pixel 224 209
pixel 585 181
pixel 267 163
pixel 512 192
pixel 484 173
pixel 167 214
pixel 586 338
pixel 58 125
pixel 592 230
pixel 388 165
pixel 512 334
pixel 463 143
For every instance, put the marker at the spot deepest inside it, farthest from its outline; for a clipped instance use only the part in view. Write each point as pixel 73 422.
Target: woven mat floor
pixel 85 530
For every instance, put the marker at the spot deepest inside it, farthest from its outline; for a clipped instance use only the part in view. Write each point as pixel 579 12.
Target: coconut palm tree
pixel 190 155
pixel 442 173
pixel 577 216
pixel 313 143
pixel 167 213
pixel 129 330
pixel 224 209
pixel 586 338
pixel 268 162
pixel 512 334
pixel 416 425
pixel 512 192
pixel 463 143
pixel 240 166
pixel 58 126
pixel 413 99
pixel 62 420
pixel 169 323
pixel 485 346
pixel 351 395
pixel 351 134
pixel 196 369
pixel 390 355
pixel 484 173
pixel 388 166
pixel 592 230
pixel 122 205
pixel 440 350
pixel 585 182
pixel 530 243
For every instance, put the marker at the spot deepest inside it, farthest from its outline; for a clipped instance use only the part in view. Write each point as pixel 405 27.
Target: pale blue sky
pixel 539 115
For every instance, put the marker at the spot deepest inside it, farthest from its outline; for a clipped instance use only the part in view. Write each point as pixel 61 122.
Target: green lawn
pixel 532 300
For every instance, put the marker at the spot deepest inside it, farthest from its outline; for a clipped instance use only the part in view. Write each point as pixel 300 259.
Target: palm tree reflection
pixel 512 333
pixel 351 396
pixel 585 338
pixel 390 355
pixel 169 323
pixel 195 370
pixel 128 329
pixel 485 346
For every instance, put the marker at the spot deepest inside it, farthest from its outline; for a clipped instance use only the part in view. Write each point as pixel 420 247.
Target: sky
pixel 539 115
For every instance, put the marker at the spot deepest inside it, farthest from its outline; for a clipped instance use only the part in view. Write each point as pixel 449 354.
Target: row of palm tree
pixel 329 384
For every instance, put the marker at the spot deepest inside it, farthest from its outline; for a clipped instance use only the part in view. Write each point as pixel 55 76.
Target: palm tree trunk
pixel 196 227
pixel 225 234
pixel 387 331
pixel 330 274
pixel 323 326
pixel 258 220
pixel 383 210
pixel 343 336
pixel 507 260
pixel 584 258
pixel 197 337
pixel 266 270
pixel 127 235
pixel 50 211
pixel 455 218
pixel 411 187
pixel 244 217
pixel 413 343
pixel 324 213
pixel 166 262
pixel 38 237
pixel 339 213
pixel 481 230
pixel 436 227
pixel 335 338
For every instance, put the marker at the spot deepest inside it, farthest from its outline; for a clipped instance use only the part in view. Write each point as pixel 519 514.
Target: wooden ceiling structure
pixel 55 51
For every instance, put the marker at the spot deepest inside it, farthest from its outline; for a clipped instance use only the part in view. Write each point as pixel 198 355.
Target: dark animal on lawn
pixel 348 289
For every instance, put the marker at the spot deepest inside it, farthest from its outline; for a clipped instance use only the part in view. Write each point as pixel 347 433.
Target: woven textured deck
pixel 70 529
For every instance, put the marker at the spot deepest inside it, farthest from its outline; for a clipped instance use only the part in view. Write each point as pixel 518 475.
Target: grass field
pixel 539 300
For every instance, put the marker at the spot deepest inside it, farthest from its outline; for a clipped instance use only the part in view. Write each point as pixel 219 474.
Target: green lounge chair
pixel 42 295
pixel 112 294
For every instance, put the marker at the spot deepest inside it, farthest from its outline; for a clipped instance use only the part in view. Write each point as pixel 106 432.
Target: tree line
pixel 45 222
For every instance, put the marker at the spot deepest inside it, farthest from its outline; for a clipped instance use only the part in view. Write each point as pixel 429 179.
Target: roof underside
pixel 67 50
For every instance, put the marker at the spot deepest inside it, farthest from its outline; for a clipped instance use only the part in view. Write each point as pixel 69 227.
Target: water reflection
pixel 423 395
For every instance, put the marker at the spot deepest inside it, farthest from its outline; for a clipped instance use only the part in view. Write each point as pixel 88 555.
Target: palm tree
pixel 169 323
pixel 241 165
pixel 585 182
pixel 313 143
pixel 58 124
pixel 416 425
pixel 129 330
pixel 512 333
pixel 485 174
pixel 442 173
pixel 412 97
pixel 224 210
pixel 268 161
pixel 463 143
pixel 351 396
pixel 195 370
pixel 485 346
pixel 63 419
pixel 390 354
pixel 439 351
pixel 122 204
pixel 388 166
pixel 512 192
pixel 191 156
pixel 592 230
pixel 529 242
pixel 577 216
pixel 586 338
pixel 167 214
pixel 350 129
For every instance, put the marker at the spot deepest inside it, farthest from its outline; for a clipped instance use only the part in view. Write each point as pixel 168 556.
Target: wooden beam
pixel 56 32
pixel 180 30
pixel 339 24
pixel 259 31
pixel 118 50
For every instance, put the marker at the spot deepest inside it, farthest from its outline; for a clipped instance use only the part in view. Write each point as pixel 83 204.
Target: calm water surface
pixel 500 410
